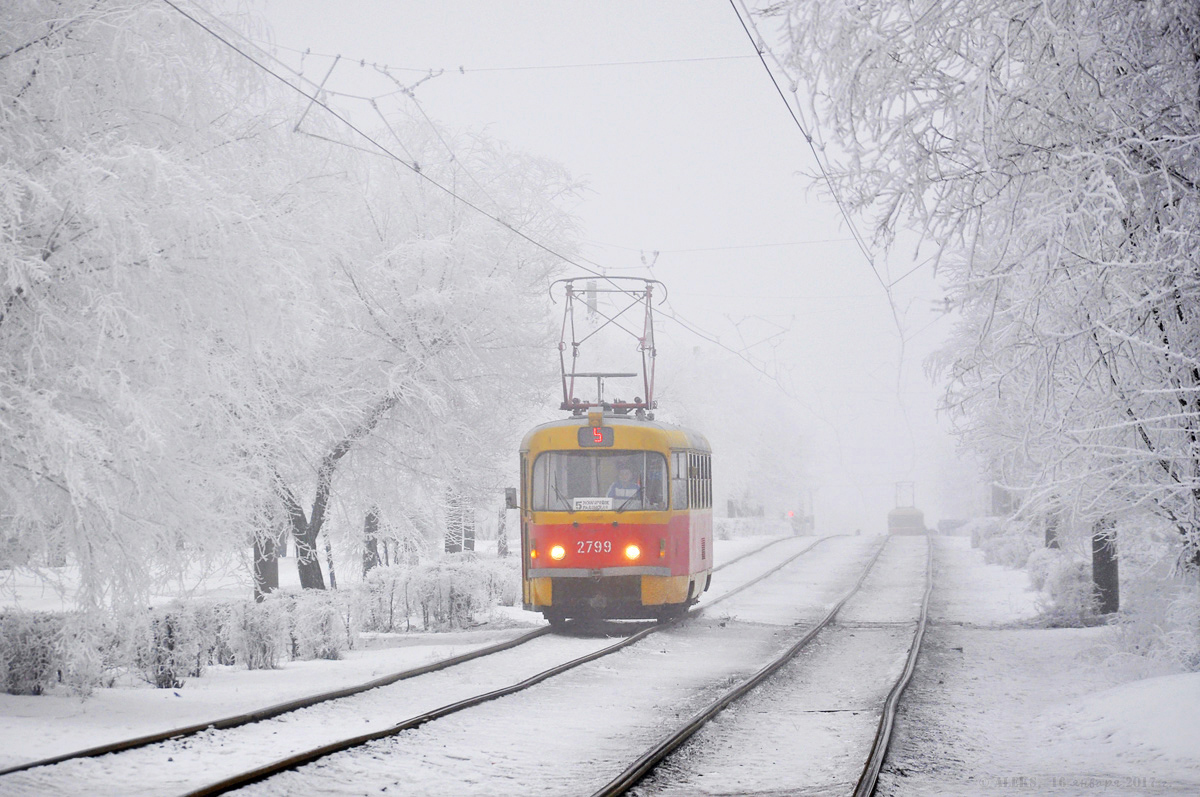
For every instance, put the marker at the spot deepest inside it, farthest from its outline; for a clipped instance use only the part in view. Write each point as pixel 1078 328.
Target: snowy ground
pixel 997 707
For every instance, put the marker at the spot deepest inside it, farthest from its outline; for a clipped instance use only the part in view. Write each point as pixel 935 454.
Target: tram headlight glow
pixel 632 552
pixel 557 552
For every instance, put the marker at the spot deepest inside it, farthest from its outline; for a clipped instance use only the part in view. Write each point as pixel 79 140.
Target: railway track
pixel 403 763
pixel 12 778
pixel 685 777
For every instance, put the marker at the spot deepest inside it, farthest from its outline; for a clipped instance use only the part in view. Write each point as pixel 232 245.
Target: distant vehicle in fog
pixel 906 520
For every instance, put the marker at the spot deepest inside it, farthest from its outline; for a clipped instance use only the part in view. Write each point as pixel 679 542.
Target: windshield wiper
pixel 638 494
pixel 563 498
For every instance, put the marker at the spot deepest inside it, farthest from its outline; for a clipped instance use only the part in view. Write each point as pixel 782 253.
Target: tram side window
pixel 679 480
pixel 694 480
pixel 699 481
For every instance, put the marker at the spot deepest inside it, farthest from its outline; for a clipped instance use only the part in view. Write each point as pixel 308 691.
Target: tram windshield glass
pixel 569 481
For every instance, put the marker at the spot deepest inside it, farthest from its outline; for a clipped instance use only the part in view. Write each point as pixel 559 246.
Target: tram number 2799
pixel 594 546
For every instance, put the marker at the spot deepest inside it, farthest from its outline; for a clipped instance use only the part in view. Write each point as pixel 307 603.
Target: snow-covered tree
pixel 449 323
pixel 211 324
pixel 1051 150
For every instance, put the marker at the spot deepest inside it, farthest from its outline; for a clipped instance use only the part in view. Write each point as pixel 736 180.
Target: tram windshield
pixel 569 481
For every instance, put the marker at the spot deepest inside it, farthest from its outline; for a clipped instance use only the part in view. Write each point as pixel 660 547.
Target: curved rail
pixel 883 735
pixel 309 756
pixel 655 755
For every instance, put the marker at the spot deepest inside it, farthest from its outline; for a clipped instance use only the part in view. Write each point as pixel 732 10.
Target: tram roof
pixel 676 436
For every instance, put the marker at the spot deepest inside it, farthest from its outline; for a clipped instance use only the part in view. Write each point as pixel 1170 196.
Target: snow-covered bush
pixel 982 528
pixel 40 652
pixel 257 633
pixel 1068 598
pixel 80 650
pixel 451 593
pixel 385 602
pixel 1010 547
pixel 169 648
pixel 446 593
pixel 1182 637
pixel 1040 563
pixel 27 651
pixel 317 626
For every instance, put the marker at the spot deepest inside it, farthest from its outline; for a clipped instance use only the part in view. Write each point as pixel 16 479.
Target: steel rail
pixel 656 754
pixel 883 734
pixel 269 712
pixel 307 757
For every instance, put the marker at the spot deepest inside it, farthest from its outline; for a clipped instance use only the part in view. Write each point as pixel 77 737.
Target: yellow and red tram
pixel 616 517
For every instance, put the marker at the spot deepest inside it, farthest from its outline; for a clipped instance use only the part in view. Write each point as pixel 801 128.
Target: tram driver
pixel 625 488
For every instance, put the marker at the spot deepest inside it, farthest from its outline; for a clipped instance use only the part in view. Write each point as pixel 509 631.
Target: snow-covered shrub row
pixel 1009 543
pixel 166 645
pixel 1160 624
pixel 163 646
pixel 731 528
pixel 444 594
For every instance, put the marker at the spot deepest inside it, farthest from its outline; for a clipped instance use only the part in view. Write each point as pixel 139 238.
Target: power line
pixel 410 166
pixel 726 248
pixel 464 70
pixel 858 239
pixel 887 287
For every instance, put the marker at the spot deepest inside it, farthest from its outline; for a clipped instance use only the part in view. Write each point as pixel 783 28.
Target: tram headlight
pixel 632 552
pixel 557 552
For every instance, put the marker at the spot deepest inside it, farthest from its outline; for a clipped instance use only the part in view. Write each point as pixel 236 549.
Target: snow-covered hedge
pixel 443 594
pixel 166 645
pixel 1003 541
pixel 40 651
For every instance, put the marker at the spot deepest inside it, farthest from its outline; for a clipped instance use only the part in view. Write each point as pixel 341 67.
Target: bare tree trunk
pixel 502 533
pixel 1104 566
pixel 329 563
pixel 460 527
pixel 1052 521
pixel 305 534
pixel 371 541
pixel 306 530
pixel 266 566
